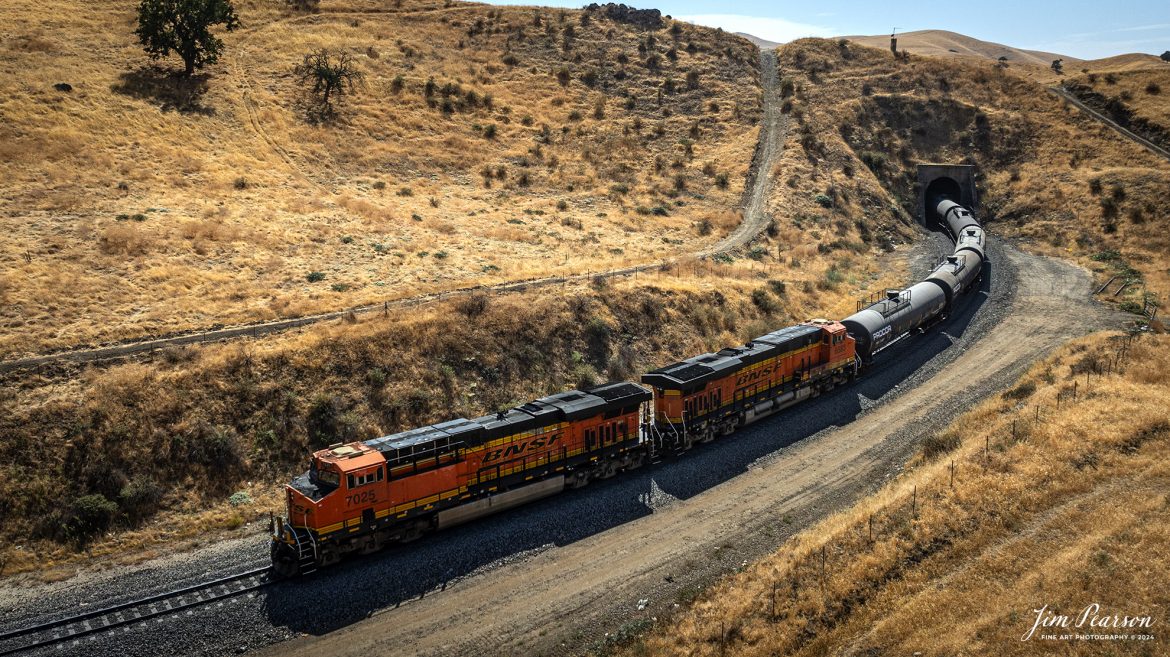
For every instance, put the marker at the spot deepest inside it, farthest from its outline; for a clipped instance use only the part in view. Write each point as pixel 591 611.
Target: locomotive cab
pixel 344 481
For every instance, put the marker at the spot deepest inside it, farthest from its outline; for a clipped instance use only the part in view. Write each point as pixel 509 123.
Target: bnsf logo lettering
pixel 515 449
pixel 754 376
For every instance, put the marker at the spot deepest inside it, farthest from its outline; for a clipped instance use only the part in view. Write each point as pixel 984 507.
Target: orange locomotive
pixel 700 398
pixel 360 496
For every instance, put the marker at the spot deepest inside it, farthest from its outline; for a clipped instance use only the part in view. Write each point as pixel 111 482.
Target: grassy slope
pixel 1143 92
pixel 1047 173
pixel 240 197
pixel 1065 510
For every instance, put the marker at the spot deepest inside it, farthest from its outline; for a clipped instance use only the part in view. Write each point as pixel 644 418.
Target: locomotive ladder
pixel 306 552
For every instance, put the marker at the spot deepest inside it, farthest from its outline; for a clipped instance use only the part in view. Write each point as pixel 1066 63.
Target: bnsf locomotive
pixel 360 496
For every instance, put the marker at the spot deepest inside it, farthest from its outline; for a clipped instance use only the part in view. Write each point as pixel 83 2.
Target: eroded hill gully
pixel 773 130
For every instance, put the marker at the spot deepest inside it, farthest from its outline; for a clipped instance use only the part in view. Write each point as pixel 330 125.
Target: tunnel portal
pixel 956 181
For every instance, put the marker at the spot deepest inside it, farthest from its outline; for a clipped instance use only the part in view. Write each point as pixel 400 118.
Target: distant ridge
pixel 942 43
pixel 763 43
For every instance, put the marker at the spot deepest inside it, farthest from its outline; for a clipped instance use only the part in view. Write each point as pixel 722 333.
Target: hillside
pixel 941 43
pixel 486 144
pixel 1068 185
pixel 1134 98
pixel 763 43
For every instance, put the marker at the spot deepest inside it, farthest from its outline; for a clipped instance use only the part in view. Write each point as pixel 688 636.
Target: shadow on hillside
pixel 400 574
pixel 167 88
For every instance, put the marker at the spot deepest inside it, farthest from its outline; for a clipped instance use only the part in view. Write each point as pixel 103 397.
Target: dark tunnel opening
pixel 935 191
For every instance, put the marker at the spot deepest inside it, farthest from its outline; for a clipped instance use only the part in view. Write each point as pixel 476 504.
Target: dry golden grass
pixel 941 43
pixel 1145 91
pixel 1067 508
pixel 1071 186
pixel 135 207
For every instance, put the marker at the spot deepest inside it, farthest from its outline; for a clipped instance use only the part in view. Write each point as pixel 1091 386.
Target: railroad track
pixel 68 632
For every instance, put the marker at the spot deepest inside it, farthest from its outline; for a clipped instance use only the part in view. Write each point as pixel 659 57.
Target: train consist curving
pixel 361 496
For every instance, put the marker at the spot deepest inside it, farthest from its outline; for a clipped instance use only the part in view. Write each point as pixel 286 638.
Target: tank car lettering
pixel 878 335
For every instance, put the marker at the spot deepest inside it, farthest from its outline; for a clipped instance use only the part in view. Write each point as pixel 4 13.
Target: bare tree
pixel 328 77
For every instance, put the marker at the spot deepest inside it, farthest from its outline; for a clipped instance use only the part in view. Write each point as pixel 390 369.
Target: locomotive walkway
pixel 773 130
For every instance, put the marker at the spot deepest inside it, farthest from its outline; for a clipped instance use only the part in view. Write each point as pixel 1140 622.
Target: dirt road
pixel 562 599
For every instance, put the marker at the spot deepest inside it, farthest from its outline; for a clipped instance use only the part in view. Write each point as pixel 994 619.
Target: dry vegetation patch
pixel 485 144
pixel 1058 498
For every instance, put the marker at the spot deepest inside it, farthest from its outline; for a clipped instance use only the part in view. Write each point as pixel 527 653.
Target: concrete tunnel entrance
pixel 956 181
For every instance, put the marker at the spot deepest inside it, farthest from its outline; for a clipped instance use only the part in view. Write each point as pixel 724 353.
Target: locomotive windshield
pixel 325 479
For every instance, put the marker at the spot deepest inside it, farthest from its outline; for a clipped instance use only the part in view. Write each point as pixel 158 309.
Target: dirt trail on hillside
pixel 773 130
pixel 561 599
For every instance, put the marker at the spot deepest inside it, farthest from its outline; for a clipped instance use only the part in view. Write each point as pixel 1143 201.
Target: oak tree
pixel 184 27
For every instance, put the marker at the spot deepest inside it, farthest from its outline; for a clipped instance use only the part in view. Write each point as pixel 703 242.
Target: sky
pixel 1085 30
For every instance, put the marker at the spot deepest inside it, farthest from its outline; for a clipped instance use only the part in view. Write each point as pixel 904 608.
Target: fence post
pixel 822 568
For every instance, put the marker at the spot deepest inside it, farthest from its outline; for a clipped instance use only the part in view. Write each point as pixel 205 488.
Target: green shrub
pixel 1020 392
pixel 823 201
pixel 875 161
pixel 765 301
pixel 86 517
pixel 140 498
pixel 315 276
